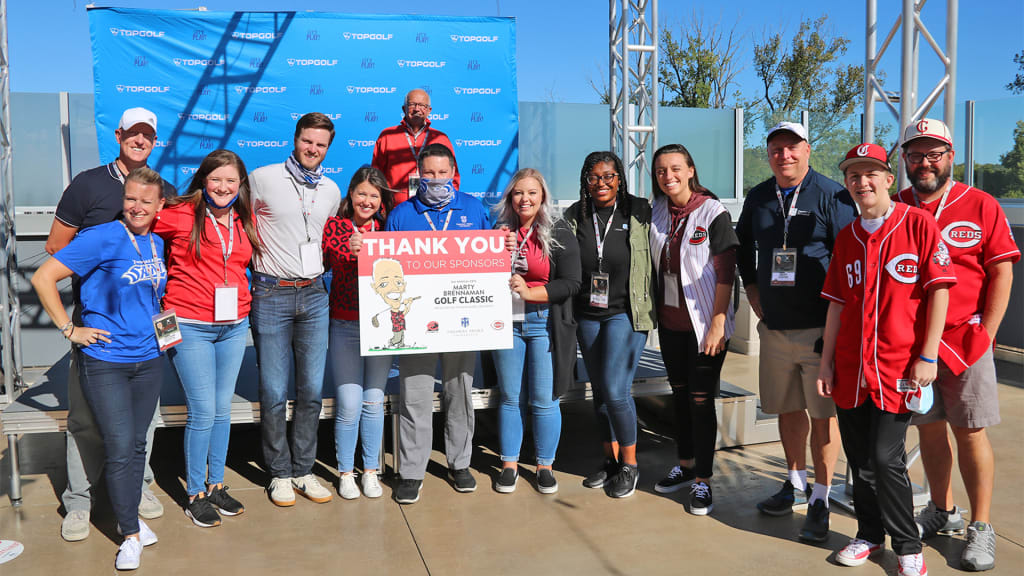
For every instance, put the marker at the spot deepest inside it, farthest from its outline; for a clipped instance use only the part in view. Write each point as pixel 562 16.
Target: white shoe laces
pixel 701 490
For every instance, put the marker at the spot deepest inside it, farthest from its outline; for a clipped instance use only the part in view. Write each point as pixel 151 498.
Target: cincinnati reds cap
pixel 794 127
pixel 928 128
pixel 866 152
pixel 133 116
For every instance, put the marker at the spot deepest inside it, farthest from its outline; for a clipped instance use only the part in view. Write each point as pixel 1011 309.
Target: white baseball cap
pixel 928 128
pixel 133 116
pixel 794 127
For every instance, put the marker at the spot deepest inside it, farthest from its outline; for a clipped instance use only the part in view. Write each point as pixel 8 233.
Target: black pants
pixel 875 445
pixel 695 382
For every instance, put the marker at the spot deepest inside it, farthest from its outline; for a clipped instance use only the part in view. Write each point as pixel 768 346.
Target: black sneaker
pixel 220 498
pixel 781 503
pixel 700 499
pixel 462 479
pixel 546 483
pixel 816 525
pixel 201 511
pixel 678 477
pixel 506 481
pixel 602 475
pixel 934 520
pixel 624 483
pixel 408 491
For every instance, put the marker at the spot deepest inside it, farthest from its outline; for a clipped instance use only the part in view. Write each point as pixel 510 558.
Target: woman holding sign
pixel 358 381
pixel 614 309
pixel 122 274
pixel 210 236
pixel 694 249
pixel 545 276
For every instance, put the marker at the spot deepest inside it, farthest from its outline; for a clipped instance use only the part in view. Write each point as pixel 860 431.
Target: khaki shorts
pixel 788 372
pixel 970 400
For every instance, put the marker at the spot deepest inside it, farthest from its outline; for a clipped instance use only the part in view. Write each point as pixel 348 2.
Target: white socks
pixel 820 492
pixel 798 478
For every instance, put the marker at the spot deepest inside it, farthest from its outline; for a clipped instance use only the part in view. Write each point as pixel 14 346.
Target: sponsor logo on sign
pixel 140 61
pixel 465 322
pixel 312 35
pixel 367 64
pixel 478 169
pixel 145 89
pixel 124 32
pixel 464 38
pixel 260 89
pixel 205 62
pixel 497 325
pixel 903 268
pixel 422 38
pixel 257 35
pixel 862 150
pixel 366 36
pixel 259 116
pixel 476 117
pixel 432 326
pixel 473 65
pixel 370 117
pixel 333 170
pixel 162 143
pixel 312 62
pixel 361 143
pixel 474 143
pixel 297 115
pixel 207 143
pixel 370 89
pixel 421 63
pixel 469 91
pixel 255 63
pixel 436 117
pixel 198 35
pixel 316 89
pixel 204 116
pixel 189 170
pixel 962 234
pixel 700 235
pixel 263 143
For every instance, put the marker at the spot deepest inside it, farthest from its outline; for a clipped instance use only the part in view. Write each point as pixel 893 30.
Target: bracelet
pixel 70 324
pixel 928 360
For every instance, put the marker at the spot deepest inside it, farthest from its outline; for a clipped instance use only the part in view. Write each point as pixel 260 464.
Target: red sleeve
pixel 935 264
pixel 380 154
pixel 835 278
pixel 168 222
pixel 1000 244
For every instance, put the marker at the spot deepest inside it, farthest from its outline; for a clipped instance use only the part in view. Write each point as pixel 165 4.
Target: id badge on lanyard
pixel 599 280
pixel 225 296
pixel 414 182
pixel 784 259
pixel 165 326
pixel 414 176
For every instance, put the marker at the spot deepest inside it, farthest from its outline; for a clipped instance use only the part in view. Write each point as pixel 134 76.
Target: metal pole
pixel 907 98
pixel 952 21
pixel 868 120
pixel 969 144
pixel 738 145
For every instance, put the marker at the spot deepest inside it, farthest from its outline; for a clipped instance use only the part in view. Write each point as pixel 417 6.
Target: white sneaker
pixel 149 506
pixel 129 555
pixel 75 526
pixel 310 487
pixel 146 535
pixel 347 488
pixel 281 492
pixel 912 565
pixel 371 485
pixel 856 552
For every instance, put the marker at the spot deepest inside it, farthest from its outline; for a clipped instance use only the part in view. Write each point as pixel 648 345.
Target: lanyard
pixel 225 250
pixel 116 172
pixel 792 211
pixel 671 239
pixel 156 258
pixel 431 222
pixel 942 202
pixel 598 239
pixel 302 201
pixel 519 250
pixel 411 141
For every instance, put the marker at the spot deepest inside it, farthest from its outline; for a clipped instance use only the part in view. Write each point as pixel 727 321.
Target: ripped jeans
pixel 358 396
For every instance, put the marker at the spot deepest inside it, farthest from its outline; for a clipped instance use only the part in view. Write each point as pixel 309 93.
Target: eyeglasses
pixel 933 157
pixel 416 105
pixel 606 178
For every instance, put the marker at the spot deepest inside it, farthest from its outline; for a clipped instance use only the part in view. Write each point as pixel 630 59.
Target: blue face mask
pixel 921 400
pixel 210 201
pixel 435 192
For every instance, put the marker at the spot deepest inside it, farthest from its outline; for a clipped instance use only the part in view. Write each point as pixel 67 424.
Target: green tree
pixel 1013 163
pixel 1017 86
pixel 697 70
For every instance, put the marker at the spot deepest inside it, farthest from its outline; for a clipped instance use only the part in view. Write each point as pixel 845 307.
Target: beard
pixel 932 185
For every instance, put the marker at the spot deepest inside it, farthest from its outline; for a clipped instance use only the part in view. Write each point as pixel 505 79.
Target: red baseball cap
pixel 928 128
pixel 866 152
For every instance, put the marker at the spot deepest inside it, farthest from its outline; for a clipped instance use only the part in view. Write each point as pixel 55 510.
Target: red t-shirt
pixel 539 267
pixel 395 152
pixel 882 279
pixel 344 266
pixel 191 282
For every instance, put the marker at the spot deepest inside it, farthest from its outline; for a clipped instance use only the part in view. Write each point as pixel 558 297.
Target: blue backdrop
pixel 240 80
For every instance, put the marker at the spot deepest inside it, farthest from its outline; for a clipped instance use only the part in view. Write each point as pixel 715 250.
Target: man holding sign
pixel 436 206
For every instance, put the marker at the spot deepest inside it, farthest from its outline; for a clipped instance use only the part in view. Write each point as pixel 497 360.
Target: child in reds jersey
pixel 888 283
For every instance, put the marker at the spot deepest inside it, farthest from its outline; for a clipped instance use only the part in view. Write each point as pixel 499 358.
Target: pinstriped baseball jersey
pixel 882 279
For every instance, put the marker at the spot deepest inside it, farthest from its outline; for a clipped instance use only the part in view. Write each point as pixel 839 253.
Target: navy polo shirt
pixel 95 197
pixel 824 208
pixel 468 213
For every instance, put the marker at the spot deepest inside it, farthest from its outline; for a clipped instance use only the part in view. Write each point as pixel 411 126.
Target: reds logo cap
pixel 866 152
pixel 928 128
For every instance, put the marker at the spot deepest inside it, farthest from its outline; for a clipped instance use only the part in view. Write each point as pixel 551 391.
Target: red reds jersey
pixel 976 233
pixel 882 281
pixel 395 154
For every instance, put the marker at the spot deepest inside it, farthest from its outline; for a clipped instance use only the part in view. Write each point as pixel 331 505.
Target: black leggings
pixel 694 377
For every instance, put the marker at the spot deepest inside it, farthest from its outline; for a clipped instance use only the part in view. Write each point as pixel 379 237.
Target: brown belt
pixel 293 283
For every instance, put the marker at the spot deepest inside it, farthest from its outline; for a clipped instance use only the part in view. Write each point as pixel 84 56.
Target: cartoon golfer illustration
pixel 389 284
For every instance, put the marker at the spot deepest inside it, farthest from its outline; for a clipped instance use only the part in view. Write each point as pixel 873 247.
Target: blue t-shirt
pixel 467 214
pixel 117 289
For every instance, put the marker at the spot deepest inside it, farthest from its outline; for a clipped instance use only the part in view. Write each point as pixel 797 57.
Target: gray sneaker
pixel 149 506
pixel 932 521
pixel 75 526
pixel 980 552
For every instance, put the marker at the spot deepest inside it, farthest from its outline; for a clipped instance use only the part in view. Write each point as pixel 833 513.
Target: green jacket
pixel 641 301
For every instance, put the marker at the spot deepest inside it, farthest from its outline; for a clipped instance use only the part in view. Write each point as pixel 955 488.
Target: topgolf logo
pixel 256 35
pixel 312 62
pixel 203 62
pixel 471 91
pixel 464 38
pixel 370 89
pixel 421 63
pixel 124 32
pixel 366 36
pixel 263 143
pixel 142 89
pixel 260 89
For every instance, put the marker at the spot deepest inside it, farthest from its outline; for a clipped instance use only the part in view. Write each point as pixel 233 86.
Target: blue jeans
pixel 289 328
pixel 358 396
pixel 611 351
pixel 207 363
pixel 529 359
pixel 122 398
